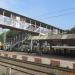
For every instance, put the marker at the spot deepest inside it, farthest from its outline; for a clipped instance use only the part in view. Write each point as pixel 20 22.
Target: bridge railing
pixel 6 21
pixel 13 23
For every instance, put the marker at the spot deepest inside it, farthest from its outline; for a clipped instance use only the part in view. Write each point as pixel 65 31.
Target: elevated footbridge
pixel 27 25
pixel 16 21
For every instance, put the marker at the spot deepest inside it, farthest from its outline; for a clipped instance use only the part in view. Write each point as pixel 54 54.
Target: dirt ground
pixel 4 71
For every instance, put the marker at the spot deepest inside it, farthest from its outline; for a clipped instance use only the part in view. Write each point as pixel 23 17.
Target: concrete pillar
pixel 24 27
pixel 3 13
pixel 35 25
pixel 51 31
pixel 40 29
pixel 46 30
pixel 38 46
pixel 45 43
pixel 30 22
pixel 3 17
pixel 11 15
pixel 31 45
pixel 24 20
pixel 58 31
pixel 30 26
pixel 12 22
pixel 9 71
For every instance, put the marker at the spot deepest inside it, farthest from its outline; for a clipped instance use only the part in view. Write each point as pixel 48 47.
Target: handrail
pixel 7 21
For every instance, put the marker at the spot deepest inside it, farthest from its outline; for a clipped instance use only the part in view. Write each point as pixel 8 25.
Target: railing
pixel 22 25
pixel 13 23
pixel 20 38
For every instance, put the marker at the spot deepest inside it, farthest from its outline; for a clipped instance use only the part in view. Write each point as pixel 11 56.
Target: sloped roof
pixel 56 36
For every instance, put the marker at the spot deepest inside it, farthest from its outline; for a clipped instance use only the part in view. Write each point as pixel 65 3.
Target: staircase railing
pixel 20 38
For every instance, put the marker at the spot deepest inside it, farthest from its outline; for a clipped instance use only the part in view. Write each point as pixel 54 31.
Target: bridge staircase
pixel 16 41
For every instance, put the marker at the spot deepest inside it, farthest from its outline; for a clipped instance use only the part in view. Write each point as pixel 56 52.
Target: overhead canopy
pixel 37 37
pixel 64 47
pixel 55 36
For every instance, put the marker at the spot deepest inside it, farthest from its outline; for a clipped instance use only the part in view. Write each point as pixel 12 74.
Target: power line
pixel 63 10
pixel 64 14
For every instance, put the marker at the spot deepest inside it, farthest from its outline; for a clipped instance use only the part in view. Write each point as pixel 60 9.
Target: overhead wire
pixel 55 16
pixel 67 11
pixel 60 11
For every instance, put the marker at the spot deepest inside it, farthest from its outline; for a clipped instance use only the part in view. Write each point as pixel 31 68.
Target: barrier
pixel 38 60
pixel 55 63
pixel 24 58
pixel 41 60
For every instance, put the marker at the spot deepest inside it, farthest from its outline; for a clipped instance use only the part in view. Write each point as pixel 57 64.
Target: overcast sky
pixel 59 13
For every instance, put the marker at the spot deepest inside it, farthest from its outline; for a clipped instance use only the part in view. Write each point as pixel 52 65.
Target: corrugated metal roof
pixel 56 36
pixel 64 36
pixel 71 36
pixel 68 47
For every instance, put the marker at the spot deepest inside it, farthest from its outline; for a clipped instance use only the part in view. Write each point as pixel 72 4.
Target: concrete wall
pixel 41 60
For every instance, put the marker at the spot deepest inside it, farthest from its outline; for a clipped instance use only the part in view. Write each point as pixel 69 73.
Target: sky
pixel 59 13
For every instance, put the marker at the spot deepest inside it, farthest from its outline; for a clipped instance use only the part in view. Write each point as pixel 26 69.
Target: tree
pixel 71 31
pixel 1 37
pixel 9 34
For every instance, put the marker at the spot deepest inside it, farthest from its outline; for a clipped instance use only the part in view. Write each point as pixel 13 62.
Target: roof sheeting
pixel 64 47
pixel 56 36
pixel 37 37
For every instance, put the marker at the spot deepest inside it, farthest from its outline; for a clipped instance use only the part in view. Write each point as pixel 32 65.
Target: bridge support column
pixel 35 25
pixel 31 45
pixel 51 30
pixel 40 30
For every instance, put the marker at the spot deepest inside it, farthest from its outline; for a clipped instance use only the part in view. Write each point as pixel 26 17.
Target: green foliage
pixel 11 33
pixel 1 37
pixel 72 30
pixel 2 74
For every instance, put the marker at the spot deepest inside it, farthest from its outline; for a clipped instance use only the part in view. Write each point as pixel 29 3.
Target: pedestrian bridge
pixel 13 20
